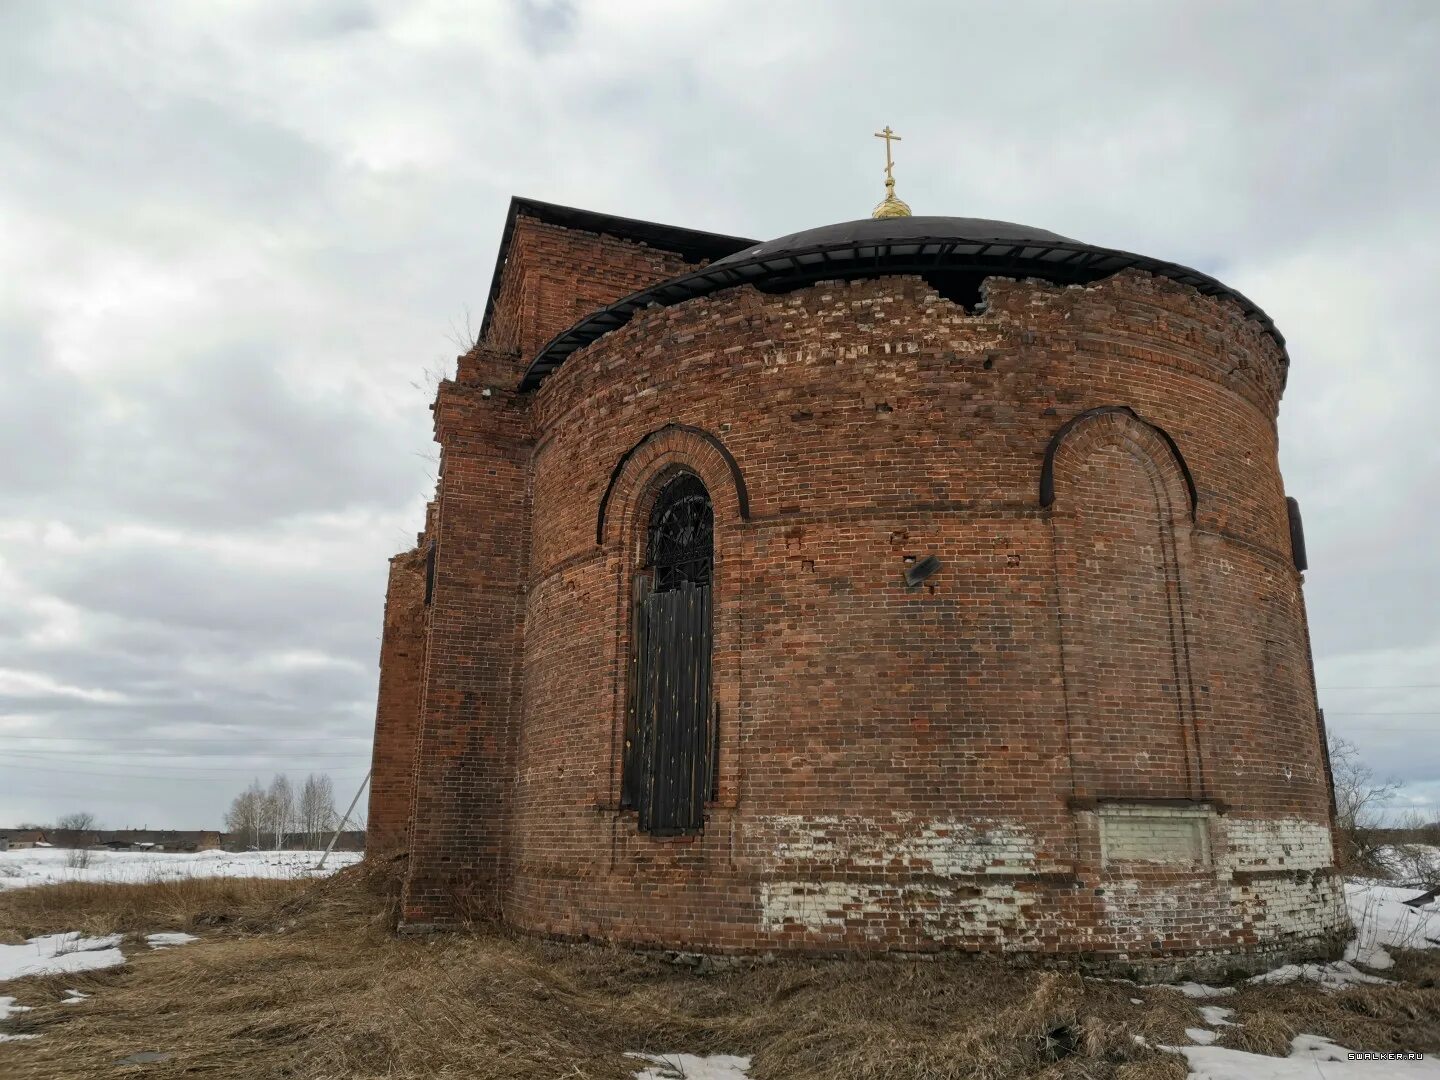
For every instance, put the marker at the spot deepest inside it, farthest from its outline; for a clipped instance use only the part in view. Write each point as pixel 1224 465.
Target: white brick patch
pixel 1280 844
pixel 1285 907
pixel 995 912
pixel 1299 905
pixel 943 848
pixel 1177 836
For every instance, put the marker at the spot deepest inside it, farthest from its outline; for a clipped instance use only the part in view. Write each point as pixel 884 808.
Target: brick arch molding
pixel 707 455
pixel 1139 425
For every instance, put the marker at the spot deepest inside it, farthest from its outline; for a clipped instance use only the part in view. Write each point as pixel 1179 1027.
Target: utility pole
pixel 331 847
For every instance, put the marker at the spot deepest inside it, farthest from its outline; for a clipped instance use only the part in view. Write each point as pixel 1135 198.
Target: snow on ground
pixel 57 953
pixel 1333 976
pixel 1383 920
pixel 692 1067
pixel 8 1006
pixel 1215 1016
pixel 1307 1053
pixel 165 941
pixel 44 866
pixel 1200 990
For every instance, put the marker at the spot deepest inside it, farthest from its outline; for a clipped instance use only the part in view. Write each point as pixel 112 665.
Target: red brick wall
pixel 453 784
pixel 402 651
pixel 924 767
pixel 464 761
pixel 554 276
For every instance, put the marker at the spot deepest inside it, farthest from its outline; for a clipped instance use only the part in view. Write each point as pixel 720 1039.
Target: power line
pixel 1336 712
pixel 77 754
pixel 142 776
pixel 239 737
pixel 1396 686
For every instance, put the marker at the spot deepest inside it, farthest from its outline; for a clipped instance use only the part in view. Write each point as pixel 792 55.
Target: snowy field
pixel 45 866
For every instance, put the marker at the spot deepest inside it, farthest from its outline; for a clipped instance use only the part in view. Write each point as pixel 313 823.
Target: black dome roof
pixel 892 230
pixel 953 249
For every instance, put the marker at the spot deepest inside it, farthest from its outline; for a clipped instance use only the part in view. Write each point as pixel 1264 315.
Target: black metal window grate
pixel 682 527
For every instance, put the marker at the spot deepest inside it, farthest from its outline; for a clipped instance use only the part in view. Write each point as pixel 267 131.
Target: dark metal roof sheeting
pixel 871 248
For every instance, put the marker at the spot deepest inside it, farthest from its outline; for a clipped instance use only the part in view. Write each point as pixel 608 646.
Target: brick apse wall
pixel 1093 732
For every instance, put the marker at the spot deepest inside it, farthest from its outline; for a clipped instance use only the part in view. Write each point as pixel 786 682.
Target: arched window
pixel 670 731
pixel 682 543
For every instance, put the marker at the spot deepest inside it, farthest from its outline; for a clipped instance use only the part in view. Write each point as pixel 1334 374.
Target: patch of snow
pixel 1371 955
pixel 8 1006
pixel 55 954
pixel 1137 1001
pixel 164 941
pixel 1200 990
pixel 1215 1016
pixel 44 866
pixel 693 1067
pixel 1384 921
pixel 16 1038
pixel 1306 1054
pixel 75 997
pixel 1334 976
pixel 1203 1036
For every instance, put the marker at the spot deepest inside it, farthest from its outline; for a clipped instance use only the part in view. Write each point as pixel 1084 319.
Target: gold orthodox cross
pixel 888 135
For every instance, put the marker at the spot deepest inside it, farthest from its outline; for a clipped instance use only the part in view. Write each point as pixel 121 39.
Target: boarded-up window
pixel 670 731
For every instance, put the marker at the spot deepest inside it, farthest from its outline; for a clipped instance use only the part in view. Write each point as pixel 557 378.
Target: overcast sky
pixel 233 238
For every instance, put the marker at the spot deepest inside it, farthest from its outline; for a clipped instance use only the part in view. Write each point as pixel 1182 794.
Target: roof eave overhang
pixel 690 244
pixel 1063 262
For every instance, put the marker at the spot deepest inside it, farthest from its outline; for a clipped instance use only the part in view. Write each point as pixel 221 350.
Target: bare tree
pixel 280 809
pixel 1414 859
pixel 78 824
pixel 1359 801
pixel 246 817
pixel 317 809
pixel 80 821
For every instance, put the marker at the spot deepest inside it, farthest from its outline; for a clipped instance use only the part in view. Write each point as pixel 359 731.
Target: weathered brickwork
pixel 554 276
pixel 1115 636
pixel 397 715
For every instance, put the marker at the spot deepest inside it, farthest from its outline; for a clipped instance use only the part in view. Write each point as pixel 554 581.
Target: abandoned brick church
pixel 913 583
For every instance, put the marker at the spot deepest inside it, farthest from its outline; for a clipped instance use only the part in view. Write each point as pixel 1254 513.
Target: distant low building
pixel 153 840
pixel 73 838
pixel 14 839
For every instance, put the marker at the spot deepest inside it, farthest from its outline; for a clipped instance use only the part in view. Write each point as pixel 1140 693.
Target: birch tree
pixel 317 809
pixel 280 809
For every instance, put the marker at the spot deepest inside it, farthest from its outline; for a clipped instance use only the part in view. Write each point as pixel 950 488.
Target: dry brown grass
pixel 105 908
pixel 305 981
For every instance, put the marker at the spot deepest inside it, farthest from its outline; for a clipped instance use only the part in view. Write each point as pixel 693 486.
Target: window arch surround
pixel 1160 547
pixel 623 526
